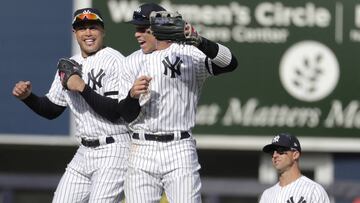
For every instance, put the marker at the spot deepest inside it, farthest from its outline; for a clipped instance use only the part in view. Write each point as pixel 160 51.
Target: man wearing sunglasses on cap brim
pixel 97 171
pixel 163 156
pixel 285 151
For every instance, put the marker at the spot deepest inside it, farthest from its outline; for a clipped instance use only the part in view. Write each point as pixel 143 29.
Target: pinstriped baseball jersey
pixel 303 190
pixel 178 74
pixel 100 72
pixel 94 174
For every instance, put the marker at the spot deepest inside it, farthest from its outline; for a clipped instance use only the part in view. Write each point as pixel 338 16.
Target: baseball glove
pixel 171 26
pixel 66 68
pixel 167 26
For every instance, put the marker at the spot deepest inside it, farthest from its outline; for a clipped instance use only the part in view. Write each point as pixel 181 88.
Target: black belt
pixel 161 138
pixel 96 143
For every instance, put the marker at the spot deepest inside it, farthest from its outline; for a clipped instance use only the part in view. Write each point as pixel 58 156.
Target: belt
pixel 161 138
pixel 96 143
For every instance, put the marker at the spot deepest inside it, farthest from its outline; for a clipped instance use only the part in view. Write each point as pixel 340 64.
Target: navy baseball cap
pixel 141 15
pixel 85 15
pixel 283 140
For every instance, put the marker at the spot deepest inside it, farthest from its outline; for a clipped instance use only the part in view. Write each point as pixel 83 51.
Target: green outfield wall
pixel 299 63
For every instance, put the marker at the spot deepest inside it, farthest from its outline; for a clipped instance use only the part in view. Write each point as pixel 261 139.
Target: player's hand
pixel 75 83
pixel 140 86
pixel 191 35
pixel 22 89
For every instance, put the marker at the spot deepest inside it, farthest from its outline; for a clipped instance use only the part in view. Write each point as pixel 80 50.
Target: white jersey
pixel 101 73
pixel 303 190
pixel 178 74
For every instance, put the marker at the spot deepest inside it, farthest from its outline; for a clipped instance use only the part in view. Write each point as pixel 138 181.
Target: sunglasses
pixel 281 150
pixel 87 16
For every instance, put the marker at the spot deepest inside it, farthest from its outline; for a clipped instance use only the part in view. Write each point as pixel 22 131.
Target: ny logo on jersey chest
pixel 301 200
pixel 94 80
pixel 174 68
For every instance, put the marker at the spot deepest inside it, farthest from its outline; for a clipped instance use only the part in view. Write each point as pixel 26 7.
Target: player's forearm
pixel 43 106
pixel 129 107
pixel 208 47
pixel 110 108
pixel 221 57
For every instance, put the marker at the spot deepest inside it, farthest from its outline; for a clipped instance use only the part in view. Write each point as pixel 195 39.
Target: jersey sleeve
pixel 202 64
pixel 319 195
pixel 111 79
pixel 128 74
pixel 56 92
pixel 111 64
pixel 263 198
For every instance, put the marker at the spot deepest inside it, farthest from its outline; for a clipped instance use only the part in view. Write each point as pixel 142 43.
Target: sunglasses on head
pixel 87 16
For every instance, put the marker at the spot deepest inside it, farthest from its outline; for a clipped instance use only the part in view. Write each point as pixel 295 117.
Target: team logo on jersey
pixel 94 81
pixel 301 200
pixel 174 68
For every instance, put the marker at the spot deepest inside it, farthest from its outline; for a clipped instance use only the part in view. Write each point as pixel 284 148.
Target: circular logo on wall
pixel 309 71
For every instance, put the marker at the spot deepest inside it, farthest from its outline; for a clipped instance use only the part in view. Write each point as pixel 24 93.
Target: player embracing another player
pixel 96 172
pixel 169 70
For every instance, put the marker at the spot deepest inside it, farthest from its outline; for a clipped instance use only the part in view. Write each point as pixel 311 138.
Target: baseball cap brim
pixel 271 147
pixel 80 23
pixel 139 22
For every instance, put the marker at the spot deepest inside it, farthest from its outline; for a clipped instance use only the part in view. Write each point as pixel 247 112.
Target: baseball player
pixel 293 187
pixel 96 172
pixel 163 156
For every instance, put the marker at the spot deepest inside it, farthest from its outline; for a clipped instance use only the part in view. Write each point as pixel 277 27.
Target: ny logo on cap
pixel 276 139
pixel 86 12
pixel 138 10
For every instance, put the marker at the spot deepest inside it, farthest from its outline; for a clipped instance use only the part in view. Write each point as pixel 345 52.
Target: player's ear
pixel 296 155
pixel 148 31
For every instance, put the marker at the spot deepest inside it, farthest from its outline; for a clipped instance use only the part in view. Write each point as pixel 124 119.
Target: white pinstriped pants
pixel 157 167
pixel 95 175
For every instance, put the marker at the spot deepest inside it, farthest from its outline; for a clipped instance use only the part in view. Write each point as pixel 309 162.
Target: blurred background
pixel 299 70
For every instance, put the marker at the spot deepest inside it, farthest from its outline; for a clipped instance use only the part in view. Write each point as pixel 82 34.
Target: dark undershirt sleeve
pixel 210 49
pixel 111 109
pixel 219 70
pixel 43 106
